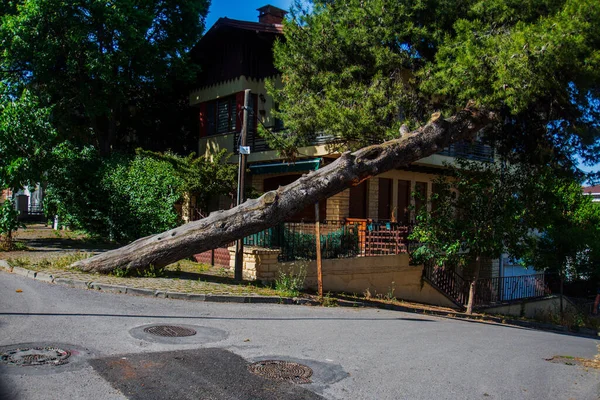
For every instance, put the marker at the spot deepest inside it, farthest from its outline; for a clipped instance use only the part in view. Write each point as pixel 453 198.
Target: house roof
pixel 591 189
pixel 225 22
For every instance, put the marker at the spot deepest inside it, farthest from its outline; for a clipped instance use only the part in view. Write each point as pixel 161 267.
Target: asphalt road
pixel 354 353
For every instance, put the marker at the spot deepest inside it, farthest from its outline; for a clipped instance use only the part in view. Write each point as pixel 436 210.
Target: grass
pixel 62 262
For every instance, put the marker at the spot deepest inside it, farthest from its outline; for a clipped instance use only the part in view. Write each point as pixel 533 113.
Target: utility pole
pixel 243 153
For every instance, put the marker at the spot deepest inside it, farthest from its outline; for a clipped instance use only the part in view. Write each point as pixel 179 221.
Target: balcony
pixel 472 151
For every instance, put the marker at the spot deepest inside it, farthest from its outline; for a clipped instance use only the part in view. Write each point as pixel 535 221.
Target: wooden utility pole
pixel 239 244
pixel 319 265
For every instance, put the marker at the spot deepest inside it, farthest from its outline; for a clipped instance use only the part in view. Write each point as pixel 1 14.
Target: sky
pixel 240 9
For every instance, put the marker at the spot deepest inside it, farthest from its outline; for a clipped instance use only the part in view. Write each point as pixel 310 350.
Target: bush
pixel 9 222
pixel 120 198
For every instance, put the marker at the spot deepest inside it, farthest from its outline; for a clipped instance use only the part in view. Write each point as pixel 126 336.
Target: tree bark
pixel 473 285
pixel 255 215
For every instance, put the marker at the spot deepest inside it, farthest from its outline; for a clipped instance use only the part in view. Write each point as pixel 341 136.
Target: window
pixel 220 116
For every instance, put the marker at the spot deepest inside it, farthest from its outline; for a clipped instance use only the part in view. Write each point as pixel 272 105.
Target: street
pixel 353 353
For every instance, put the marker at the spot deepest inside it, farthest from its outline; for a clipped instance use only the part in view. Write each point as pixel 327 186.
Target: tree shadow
pixel 206 276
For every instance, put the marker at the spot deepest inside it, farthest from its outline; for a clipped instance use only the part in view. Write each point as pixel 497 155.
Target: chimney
pixel 271 15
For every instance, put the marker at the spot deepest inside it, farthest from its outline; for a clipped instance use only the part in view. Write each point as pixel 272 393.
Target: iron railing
pixel 472 151
pixel 449 282
pixel 509 288
pixel 339 239
pixel 488 291
pixel 297 240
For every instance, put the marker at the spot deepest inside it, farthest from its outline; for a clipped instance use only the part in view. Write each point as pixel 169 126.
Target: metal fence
pixel 472 151
pixel 488 291
pixel 496 290
pixel 339 239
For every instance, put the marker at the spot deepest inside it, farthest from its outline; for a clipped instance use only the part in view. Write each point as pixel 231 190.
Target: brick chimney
pixel 271 15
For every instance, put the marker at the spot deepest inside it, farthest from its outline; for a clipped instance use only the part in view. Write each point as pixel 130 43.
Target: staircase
pixel 454 286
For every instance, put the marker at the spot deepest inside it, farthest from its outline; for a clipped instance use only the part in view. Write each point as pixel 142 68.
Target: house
pixel 593 191
pixel 28 201
pixel 370 219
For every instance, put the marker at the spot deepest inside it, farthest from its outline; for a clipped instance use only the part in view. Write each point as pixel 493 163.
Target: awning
pixel 281 167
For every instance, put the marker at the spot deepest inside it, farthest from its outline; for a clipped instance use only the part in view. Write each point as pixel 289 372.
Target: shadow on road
pixel 23 314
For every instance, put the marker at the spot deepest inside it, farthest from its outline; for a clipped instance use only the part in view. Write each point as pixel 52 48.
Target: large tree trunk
pixel 253 216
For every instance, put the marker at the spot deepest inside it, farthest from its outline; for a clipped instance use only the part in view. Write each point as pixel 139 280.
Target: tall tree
pixel 26 141
pixel 568 244
pixel 105 66
pixel 479 211
pixel 359 69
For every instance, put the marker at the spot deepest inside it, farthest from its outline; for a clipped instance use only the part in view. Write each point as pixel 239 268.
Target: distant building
pixel 593 191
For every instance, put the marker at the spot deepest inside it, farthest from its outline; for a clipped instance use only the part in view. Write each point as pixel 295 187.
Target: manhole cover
pixel 170 331
pixel 278 370
pixel 35 356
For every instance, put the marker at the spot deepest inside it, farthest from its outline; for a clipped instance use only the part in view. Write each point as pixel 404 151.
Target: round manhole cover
pixel 35 356
pixel 278 370
pixel 170 331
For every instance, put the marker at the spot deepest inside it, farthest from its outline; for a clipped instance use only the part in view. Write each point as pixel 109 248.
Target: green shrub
pixel 9 223
pixel 290 281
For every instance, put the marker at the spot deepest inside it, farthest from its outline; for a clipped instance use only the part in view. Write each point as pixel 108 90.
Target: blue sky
pixel 240 9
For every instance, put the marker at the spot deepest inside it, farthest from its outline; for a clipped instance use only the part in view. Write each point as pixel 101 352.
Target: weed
pixel 152 272
pixel 288 282
pixel 390 293
pixel 329 301
pixel 178 267
pixel 65 261
pixel 222 272
pixel 367 294
pixel 120 272
pixel 19 262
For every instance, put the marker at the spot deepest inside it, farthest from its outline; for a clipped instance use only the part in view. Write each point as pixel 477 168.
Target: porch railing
pixel 339 239
pixel 450 282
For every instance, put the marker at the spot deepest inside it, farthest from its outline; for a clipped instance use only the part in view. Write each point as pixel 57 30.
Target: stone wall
pixel 338 206
pixel 260 264
pixel 533 308
pixel 377 276
pixel 373 198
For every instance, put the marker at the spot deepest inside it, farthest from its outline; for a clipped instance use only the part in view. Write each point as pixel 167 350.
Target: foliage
pixel 479 210
pixel 9 222
pixel 358 69
pixel 26 139
pixel 125 197
pixel 114 72
pixel 202 177
pixel 569 243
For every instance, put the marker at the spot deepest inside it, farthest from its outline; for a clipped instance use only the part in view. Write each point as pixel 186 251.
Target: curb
pixel 118 289
pixel 340 302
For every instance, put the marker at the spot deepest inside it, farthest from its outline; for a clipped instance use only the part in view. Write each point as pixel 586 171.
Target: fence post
pixel 319 266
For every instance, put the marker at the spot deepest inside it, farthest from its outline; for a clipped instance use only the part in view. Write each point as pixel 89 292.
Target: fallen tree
pixel 255 215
